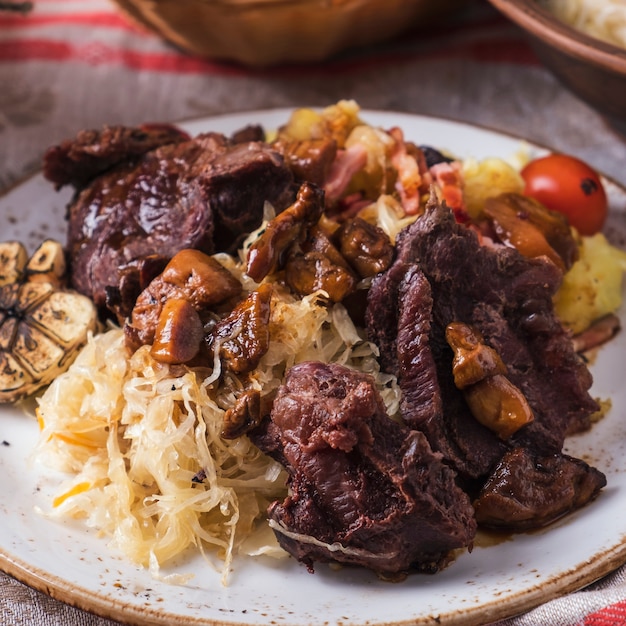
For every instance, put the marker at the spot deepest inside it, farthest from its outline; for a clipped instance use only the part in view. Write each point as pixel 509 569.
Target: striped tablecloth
pixel 73 64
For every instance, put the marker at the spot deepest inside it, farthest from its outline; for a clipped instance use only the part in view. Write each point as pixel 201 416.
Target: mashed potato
pixel 593 286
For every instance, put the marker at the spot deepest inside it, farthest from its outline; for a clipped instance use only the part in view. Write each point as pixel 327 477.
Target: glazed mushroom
pixel 193 276
pixel 480 372
pixel 366 247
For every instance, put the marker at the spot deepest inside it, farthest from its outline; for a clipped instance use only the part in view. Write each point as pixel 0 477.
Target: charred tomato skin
pixel 568 185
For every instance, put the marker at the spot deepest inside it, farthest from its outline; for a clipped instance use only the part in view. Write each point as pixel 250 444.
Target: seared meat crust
pixel 76 162
pixel 442 274
pixel 528 490
pixel 365 490
pixel 508 298
pixel 205 193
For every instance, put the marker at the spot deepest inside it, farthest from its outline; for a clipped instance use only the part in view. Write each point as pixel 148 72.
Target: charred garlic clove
pixel 13 259
pixel 42 326
pixel 47 264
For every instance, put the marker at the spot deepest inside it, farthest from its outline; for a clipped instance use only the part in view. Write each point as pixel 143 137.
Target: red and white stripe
pixel 96 32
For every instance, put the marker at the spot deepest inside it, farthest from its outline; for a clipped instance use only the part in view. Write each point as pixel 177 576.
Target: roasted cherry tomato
pixel 568 185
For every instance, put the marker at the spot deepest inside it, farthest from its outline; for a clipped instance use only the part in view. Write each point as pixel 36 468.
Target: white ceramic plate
pixel 498 579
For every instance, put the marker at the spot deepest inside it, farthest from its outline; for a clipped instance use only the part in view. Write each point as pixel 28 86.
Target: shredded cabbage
pixel 141 440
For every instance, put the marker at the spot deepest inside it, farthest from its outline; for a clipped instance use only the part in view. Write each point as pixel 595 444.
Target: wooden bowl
pixel 593 70
pixel 267 32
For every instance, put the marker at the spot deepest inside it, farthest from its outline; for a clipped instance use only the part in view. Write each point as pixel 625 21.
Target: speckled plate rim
pixel 467 594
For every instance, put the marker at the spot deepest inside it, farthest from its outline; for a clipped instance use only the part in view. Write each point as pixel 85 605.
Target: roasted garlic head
pixel 42 324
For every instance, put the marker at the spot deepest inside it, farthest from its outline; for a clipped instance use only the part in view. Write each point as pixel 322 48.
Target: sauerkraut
pixel 141 440
pixel 602 19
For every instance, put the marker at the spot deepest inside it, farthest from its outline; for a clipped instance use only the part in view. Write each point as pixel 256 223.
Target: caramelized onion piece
pixel 480 372
pixel 243 416
pixel 243 336
pixel 531 228
pixel 268 252
pixel 178 334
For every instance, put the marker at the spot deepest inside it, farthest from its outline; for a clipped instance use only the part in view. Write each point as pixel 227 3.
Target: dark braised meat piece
pixel 287 229
pixel 134 277
pixel 399 318
pixel 508 298
pixel 236 186
pixel 441 275
pixel 527 490
pixel 412 359
pixel 192 276
pixel 77 161
pixel 251 132
pixel 243 336
pixel 310 160
pixel 205 193
pixel 381 313
pixel 365 490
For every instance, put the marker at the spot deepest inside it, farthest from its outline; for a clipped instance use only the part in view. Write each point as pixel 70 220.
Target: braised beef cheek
pixel 442 274
pixel 205 193
pixel 77 161
pixel 365 490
